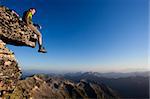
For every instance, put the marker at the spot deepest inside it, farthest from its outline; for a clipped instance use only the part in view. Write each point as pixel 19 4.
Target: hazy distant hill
pixel 128 85
pixel 111 74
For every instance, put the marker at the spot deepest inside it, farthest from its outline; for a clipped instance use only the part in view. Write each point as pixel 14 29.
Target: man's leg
pixel 33 28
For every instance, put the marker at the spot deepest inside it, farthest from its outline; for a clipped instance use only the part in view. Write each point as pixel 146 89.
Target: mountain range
pixel 126 85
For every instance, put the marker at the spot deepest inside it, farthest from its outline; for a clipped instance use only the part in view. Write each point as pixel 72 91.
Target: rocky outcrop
pixel 14 31
pixel 9 71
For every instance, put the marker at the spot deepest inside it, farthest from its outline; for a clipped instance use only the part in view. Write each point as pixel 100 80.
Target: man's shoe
pixel 42 50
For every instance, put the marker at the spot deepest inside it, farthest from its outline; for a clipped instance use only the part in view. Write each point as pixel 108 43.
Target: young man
pixel 27 17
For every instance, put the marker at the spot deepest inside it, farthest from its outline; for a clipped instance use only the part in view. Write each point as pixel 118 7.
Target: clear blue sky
pixel 85 35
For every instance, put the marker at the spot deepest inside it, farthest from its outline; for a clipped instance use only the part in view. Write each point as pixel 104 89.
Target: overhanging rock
pixel 14 31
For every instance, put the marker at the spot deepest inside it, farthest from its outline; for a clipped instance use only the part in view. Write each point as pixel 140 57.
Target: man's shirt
pixel 27 17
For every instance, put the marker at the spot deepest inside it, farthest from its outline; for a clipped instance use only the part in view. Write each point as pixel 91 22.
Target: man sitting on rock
pixel 27 18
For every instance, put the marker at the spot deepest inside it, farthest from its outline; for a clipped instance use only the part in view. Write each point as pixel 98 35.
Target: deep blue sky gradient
pixel 82 35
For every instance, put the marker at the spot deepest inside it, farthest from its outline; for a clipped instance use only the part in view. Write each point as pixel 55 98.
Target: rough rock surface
pixel 14 31
pixel 9 70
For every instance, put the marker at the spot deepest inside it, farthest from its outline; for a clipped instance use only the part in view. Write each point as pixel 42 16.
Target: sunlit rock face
pixel 13 30
pixel 10 73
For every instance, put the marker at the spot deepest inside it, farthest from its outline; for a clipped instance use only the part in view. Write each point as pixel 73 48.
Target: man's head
pixel 33 10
